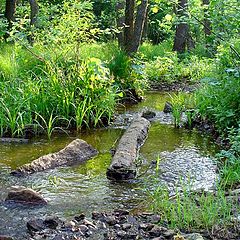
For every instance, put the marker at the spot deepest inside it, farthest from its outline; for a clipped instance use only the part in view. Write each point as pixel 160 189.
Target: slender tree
pixel 34 11
pixel 182 39
pixel 207 22
pixel 133 26
pixel 129 25
pixel 120 8
pixel 139 25
pixel 10 10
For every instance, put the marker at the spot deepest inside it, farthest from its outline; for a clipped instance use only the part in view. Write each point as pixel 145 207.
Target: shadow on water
pixel 84 188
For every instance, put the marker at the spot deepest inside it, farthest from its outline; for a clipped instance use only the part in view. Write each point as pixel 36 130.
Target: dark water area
pixel 85 188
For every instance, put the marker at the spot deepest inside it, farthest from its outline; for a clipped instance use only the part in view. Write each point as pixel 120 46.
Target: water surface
pixel 85 188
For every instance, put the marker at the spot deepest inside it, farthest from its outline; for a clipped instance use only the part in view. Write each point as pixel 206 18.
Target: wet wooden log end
pixel 123 165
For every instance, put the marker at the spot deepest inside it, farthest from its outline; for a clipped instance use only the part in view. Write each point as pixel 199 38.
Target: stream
pixel 184 158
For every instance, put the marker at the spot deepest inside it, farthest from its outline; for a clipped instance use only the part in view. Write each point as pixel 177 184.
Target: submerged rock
pixel 148 114
pixel 123 162
pixel 193 236
pixel 49 225
pixel 4 237
pixel 14 140
pixel 78 151
pixel 35 225
pixel 25 196
pixel 168 108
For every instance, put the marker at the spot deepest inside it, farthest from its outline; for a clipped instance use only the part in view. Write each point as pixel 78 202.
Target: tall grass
pixel 150 52
pixel 61 91
pixel 192 211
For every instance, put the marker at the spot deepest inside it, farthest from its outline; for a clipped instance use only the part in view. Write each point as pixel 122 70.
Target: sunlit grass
pixel 192 211
pixel 60 91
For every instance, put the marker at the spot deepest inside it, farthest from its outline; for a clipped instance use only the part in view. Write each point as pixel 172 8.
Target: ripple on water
pixel 189 168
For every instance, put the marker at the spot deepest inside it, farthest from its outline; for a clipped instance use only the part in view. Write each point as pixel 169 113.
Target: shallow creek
pixel 184 157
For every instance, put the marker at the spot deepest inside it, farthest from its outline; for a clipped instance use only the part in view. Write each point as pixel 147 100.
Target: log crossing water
pixel 85 188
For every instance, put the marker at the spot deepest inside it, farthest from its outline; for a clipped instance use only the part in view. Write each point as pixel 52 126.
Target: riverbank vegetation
pixel 66 65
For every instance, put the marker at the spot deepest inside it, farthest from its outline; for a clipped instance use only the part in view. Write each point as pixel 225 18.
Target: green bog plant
pixel 178 104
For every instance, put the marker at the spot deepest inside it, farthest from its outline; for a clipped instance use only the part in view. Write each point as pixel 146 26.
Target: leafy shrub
pixel 170 69
pixel 129 74
pixel 230 171
pixel 219 99
pixel 150 52
pixel 163 68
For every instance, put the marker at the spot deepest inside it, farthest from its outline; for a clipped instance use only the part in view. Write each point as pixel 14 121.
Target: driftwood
pixel 123 163
pixel 78 151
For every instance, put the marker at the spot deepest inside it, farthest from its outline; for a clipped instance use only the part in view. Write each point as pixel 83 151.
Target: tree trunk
pixel 10 9
pixel 181 40
pixel 34 11
pixel 190 42
pixel 120 6
pixel 139 25
pixel 206 21
pixel 145 27
pixel 129 25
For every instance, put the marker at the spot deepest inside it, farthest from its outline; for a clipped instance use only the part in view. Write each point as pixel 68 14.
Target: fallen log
pixel 123 165
pixel 78 151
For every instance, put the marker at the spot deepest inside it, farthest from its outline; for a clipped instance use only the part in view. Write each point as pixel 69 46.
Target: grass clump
pixel 67 92
pixel 192 211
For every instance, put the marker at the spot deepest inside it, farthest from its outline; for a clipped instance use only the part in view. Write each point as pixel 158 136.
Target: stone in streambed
pixel 83 228
pixel 80 217
pixel 155 231
pixel 148 114
pixel 168 108
pixel 4 237
pixel 126 226
pixel 35 225
pixel 111 220
pixel 52 222
pixel 25 196
pixel 193 236
pixel 78 151
pixel 168 233
pixel 38 224
pixel 146 226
